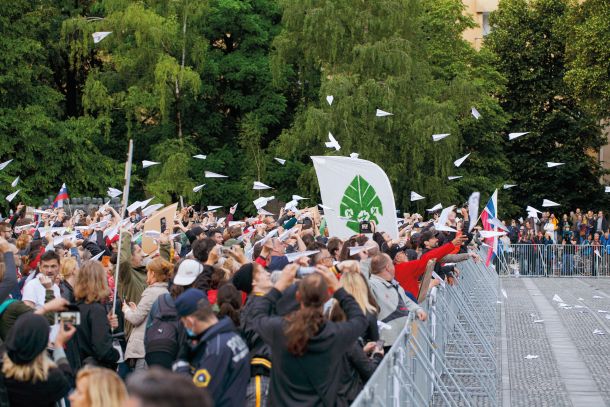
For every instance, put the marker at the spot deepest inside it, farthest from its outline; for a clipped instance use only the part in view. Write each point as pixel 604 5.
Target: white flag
pixel 362 192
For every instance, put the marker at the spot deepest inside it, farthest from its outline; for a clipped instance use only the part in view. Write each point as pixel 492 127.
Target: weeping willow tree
pixel 373 55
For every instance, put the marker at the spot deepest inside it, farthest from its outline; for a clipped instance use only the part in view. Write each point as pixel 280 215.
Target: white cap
pixel 188 272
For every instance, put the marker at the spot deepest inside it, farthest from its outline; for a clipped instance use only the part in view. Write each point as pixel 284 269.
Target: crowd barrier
pixel 449 360
pixel 554 260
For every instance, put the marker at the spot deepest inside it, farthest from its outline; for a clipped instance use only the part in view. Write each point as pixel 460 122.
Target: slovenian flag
pixel 490 212
pixel 58 202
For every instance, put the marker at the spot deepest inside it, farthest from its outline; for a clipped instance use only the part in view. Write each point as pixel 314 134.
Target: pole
pixel 123 209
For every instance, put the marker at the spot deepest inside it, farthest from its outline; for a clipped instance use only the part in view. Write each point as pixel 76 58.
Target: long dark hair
pixel 229 302
pixel 306 322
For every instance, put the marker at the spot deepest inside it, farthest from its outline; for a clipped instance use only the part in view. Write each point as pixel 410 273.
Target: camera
pixel 365 227
pixel 303 271
pixel 68 317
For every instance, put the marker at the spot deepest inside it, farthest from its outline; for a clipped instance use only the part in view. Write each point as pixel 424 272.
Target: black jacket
pixel 310 380
pixel 93 336
pixel 260 352
pixel 356 369
pixel 221 364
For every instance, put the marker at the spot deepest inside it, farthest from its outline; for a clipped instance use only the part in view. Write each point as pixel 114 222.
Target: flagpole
pixel 123 209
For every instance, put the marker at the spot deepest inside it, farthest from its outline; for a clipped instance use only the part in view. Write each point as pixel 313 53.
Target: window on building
pixel 485 25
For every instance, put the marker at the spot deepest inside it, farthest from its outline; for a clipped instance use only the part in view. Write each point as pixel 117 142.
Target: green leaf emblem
pixel 360 202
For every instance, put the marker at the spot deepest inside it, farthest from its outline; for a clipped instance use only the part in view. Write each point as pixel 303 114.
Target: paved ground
pixel 573 364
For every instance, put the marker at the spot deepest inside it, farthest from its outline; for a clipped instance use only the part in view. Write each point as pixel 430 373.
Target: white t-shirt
pixel 34 292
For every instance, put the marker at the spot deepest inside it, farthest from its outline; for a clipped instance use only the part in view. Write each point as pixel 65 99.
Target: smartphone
pixel 365 227
pixel 163 225
pixel 303 271
pixel 71 316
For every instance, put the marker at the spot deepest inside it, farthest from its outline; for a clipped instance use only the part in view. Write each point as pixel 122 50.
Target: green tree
pixel 588 55
pixel 401 56
pixel 529 38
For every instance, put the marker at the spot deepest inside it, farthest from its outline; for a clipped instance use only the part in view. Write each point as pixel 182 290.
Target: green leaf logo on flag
pixel 360 202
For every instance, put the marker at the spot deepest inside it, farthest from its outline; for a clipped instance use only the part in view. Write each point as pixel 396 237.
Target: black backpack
pixel 164 329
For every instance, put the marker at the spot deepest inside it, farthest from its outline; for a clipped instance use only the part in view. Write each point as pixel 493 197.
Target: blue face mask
pixel 190 333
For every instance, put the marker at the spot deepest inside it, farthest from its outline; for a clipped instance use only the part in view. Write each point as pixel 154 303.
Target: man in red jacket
pixel 408 273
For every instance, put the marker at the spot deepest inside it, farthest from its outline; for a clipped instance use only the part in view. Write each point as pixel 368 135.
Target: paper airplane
pixel 213 207
pixel 330 99
pixel 512 136
pixel 415 196
pixel 486 234
pixel 333 143
pixel 326 208
pixel 262 201
pixel 497 223
pixel 280 160
pixel 357 249
pixel 12 196
pixel 382 113
pixel 435 208
pixel 292 204
pixel 100 35
pixel 452 177
pixel 264 212
pixel 198 188
pixel 234 207
pixel 599 332
pixel 144 204
pixel 532 209
pixel 134 206
pixel 260 186
pixel 551 164
pixel 200 156
pixel 297 255
pixel 438 137
pixel 354 155
pixel 475 113
pixel 546 203
pixel 15 182
pixel 210 174
pixel 146 163
pixel 113 192
pixel 151 209
pixel 532 357
pixel 460 161
pixel 557 298
pixel 443 228
pixel 97 256
pixel 509 186
pixel 4 164
pixel 298 198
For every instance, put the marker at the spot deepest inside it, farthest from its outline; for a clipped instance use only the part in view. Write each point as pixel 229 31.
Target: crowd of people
pixel 261 311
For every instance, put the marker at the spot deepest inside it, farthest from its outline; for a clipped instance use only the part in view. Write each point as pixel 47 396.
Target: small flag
pixel 58 202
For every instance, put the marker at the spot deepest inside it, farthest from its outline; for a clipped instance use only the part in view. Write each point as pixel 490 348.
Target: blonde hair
pixel 68 267
pixel 104 388
pixel 161 269
pixel 355 284
pixel 35 371
pixel 91 283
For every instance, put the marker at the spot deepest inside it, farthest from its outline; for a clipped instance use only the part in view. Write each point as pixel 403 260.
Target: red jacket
pixel 408 273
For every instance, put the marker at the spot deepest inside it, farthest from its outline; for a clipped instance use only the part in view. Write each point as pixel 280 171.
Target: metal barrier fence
pixel 554 260
pixel 449 360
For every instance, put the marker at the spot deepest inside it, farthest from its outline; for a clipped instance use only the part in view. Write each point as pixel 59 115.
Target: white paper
pixel 383 113
pixel 509 186
pixel 15 182
pixel 435 208
pixel 146 163
pixel 210 174
pixel 260 186
pixel 438 137
pixel 4 164
pixel 262 201
pixel 512 136
pixel 497 223
pixel 280 160
pixel 294 256
pixel 452 177
pixel 200 156
pixel 461 160
pixel 532 209
pixel 332 143
pixel 113 192
pixel 264 212
pixel 198 188
pixel 551 164
pixel 12 196
pixel 100 35
pixel 330 99
pixel 213 207
pixel 475 113
pixel 547 203
pixel 415 196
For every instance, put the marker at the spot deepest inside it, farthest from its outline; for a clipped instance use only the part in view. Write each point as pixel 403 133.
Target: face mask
pixel 190 333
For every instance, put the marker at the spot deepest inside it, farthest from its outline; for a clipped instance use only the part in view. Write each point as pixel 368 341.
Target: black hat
pixel 27 339
pixel 242 279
